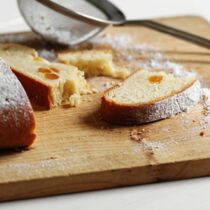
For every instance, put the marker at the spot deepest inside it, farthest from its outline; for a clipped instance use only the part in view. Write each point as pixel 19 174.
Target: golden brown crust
pixel 17 120
pixel 117 114
pixel 23 136
pixel 36 91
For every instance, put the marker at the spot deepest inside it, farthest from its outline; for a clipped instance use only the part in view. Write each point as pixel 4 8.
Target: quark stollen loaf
pixel 94 62
pixel 17 122
pixel 50 84
pixel 149 96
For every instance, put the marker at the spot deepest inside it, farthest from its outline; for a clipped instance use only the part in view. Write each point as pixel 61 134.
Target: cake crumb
pixel 52 158
pixel 202 133
pixel 205 111
pixel 137 135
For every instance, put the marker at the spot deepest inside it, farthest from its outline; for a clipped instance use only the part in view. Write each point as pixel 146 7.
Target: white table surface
pixel 187 194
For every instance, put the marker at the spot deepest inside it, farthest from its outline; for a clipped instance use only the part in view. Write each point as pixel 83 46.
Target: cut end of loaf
pixel 72 85
pixel 49 84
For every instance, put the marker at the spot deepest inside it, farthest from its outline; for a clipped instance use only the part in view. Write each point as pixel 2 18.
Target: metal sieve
pixel 71 22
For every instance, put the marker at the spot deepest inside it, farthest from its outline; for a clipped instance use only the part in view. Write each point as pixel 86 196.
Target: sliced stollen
pixel 17 122
pixel 49 84
pixel 149 96
pixel 94 62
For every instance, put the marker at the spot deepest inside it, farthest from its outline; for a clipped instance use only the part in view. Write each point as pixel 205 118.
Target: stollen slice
pixel 149 96
pixel 48 84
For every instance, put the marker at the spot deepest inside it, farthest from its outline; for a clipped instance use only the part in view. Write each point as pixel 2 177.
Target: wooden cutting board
pixel 76 151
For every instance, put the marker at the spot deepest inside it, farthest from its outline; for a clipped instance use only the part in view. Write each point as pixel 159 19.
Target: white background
pixel 188 194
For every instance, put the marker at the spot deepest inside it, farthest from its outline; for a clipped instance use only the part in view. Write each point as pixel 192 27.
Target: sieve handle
pixel 198 40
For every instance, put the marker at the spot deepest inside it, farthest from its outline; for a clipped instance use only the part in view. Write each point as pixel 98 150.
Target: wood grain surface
pixel 76 151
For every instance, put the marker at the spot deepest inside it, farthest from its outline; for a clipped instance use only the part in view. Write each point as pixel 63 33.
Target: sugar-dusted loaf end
pixel 49 84
pixel 149 96
pixel 94 62
pixel 17 121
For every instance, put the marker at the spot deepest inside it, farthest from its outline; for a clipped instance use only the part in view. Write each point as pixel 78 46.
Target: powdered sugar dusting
pixel 47 54
pixel 205 101
pixel 13 100
pixel 118 42
pixel 152 146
